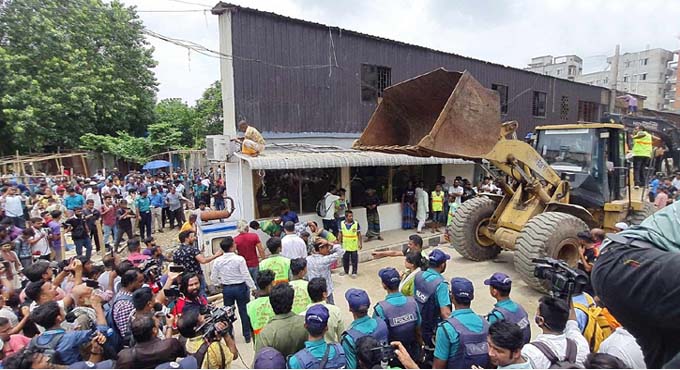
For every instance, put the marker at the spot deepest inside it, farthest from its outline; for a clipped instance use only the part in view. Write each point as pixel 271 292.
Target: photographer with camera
pixel 317 353
pixel 561 340
pixel 148 351
pixel 40 245
pixel 461 332
pixel 214 350
pixel 80 232
pixel 190 295
pixel 145 304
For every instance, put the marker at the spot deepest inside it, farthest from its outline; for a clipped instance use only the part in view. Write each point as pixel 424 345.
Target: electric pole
pixel 613 78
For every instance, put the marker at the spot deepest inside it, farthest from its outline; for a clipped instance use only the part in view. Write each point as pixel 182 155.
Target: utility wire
pixel 190 3
pixel 173 11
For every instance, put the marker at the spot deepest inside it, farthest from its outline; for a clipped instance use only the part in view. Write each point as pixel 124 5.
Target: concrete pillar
pixel 227 74
pixel 346 181
pixel 239 184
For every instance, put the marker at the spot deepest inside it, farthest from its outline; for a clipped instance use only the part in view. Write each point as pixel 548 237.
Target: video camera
pixel 152 271
pixel 387 353
pixel 562 278
pixel 214 315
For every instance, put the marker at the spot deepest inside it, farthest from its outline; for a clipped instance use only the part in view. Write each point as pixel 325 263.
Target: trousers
pixel 145 224
pixel 240 294
pixel 80 243
pixel 156 219
pixel 639 166
pixel 353 258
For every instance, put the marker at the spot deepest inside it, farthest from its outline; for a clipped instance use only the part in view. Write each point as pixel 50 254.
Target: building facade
pixel 565 66
pixel 644 73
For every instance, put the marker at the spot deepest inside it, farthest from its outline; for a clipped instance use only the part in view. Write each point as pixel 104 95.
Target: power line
pixel 190 3
pixel 173 11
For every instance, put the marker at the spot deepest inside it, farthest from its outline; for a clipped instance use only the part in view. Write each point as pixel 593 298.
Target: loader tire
pixel 550 234
pixel 464 236
pixel 636 217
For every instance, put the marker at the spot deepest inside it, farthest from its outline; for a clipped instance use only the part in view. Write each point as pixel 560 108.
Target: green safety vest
pixel 279 265
pixel 642 146
pixel 301 300
pixel 260 313
pixel 350 240
pixel 437 201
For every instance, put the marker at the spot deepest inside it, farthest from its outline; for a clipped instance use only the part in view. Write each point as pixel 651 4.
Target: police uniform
pixel 507 309
pixel 361 327
pixel 311 356
pixel 431 292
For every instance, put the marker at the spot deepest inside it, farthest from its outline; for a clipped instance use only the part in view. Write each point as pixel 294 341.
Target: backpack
pixel 597 327
pixel 49 348
pixel 115 341
pixel 555 363
pixel 321 209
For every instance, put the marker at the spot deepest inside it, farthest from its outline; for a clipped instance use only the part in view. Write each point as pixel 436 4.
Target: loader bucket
pixel 440 113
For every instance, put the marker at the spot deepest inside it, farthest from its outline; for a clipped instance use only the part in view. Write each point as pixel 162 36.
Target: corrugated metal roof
pixel 291 156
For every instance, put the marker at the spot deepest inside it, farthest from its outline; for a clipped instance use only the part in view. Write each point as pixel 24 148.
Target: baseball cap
pixel 438 257
pixel 499 280
pixel 269 358
pixel 462 289
pixel 188 362
pixel 390 277
pixel 108 364
pixel 357 299
pixel 316 317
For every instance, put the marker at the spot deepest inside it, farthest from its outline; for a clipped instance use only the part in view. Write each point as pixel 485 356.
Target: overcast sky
pixel 506 32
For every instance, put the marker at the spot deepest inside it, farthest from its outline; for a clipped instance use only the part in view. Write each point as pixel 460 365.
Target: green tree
pixel 73 67
pixel 174 113
pixel 210 113
pixel 125 146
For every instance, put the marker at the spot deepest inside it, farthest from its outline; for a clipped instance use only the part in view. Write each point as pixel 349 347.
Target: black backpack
pixel 555 363
pixel 49 349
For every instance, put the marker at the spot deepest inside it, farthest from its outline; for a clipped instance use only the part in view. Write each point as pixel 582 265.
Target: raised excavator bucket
pixel 440 113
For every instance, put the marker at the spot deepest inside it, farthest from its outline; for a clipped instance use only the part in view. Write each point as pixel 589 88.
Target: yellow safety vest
pixel 642 146
pixel 301 299
pixel 260 312
pixel 437 201
pixel 279 265
pixel 350 240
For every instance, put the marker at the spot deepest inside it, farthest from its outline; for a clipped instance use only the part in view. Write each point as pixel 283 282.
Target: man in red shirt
pixel 249 246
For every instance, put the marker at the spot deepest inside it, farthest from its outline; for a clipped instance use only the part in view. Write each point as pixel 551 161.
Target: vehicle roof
pixel 577 125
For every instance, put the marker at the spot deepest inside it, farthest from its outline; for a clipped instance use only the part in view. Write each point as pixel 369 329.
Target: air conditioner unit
pixel 216 147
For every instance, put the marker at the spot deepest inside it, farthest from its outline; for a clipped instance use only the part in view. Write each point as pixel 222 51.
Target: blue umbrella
pixel 153 165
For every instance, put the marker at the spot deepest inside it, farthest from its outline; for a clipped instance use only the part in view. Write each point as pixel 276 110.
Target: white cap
pixel 621 225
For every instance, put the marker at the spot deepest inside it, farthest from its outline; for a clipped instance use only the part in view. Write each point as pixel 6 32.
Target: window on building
pixel 564 107
pixel 626 64
pixel 606 80
pixel 625 78
pixel 503 93
pixel 572 70
pixel 644 61
pixel 588 111
pixel 364 178
pixel 643 76
pixel 538 104
pixel 374 81
pixel 298 189
pixel 558 72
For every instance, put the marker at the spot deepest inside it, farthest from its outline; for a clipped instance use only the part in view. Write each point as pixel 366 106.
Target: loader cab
pixel 591 156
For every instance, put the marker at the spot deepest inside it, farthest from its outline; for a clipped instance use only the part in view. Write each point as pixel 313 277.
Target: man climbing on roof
pixel 252 142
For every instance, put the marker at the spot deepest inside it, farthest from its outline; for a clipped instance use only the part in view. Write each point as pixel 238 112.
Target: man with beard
pixel 190 296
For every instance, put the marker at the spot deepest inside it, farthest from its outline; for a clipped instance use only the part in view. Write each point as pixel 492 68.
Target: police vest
pixel 519 317
pixel 642 146
pixel 260 313
pixel 402 323
pixel 473 348
pixel 424 295
pixel 301 299
pixel 437 201
pixel 380 333
pixel 350 240
pixel 309 361
pixel 279 265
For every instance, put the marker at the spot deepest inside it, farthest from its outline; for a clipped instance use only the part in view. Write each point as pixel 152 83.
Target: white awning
pixel 292 156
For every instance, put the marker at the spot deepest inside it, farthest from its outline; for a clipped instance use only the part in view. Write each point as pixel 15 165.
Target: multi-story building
pixel 565 66
pixel 672 98
pixel 644 73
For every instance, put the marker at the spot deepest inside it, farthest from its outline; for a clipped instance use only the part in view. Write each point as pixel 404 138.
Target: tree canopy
pixel 70 68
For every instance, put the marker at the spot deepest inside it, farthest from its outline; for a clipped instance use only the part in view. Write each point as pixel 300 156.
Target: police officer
pixel 362 325
pixel 316 349
pixel 461 340
pixel 505 308
pixel 400 314
pixel 431 293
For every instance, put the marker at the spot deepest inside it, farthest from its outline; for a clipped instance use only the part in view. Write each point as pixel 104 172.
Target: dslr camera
pixel 225 314
pixel 152 271
pixel 562 279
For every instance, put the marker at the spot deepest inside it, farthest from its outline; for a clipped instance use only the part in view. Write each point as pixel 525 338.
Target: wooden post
pixel 86 173
pixel 100 235
pixel 170 160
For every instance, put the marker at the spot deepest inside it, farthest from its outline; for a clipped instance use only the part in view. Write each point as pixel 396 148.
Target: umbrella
pixel 153 165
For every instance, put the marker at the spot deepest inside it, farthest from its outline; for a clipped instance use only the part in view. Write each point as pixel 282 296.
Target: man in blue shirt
pixel 288 215
pixel 316 323
pixel 505 308
pixel 362 325
pixel 143 207
pixel 464 326
pixel 400 314
pixel 156 201
pixel 66 344
pixel 73 200
pixel 431 293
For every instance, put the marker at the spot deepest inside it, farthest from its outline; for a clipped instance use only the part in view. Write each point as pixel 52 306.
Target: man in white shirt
pixel 231 273
pixel 557 320
pixel 622 345
pixel 329 210
pixel 39 242
pixel 456 190
pixel 13 202
pixel 292 246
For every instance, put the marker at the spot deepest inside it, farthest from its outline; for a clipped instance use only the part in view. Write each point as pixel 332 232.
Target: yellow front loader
pixel 574 177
